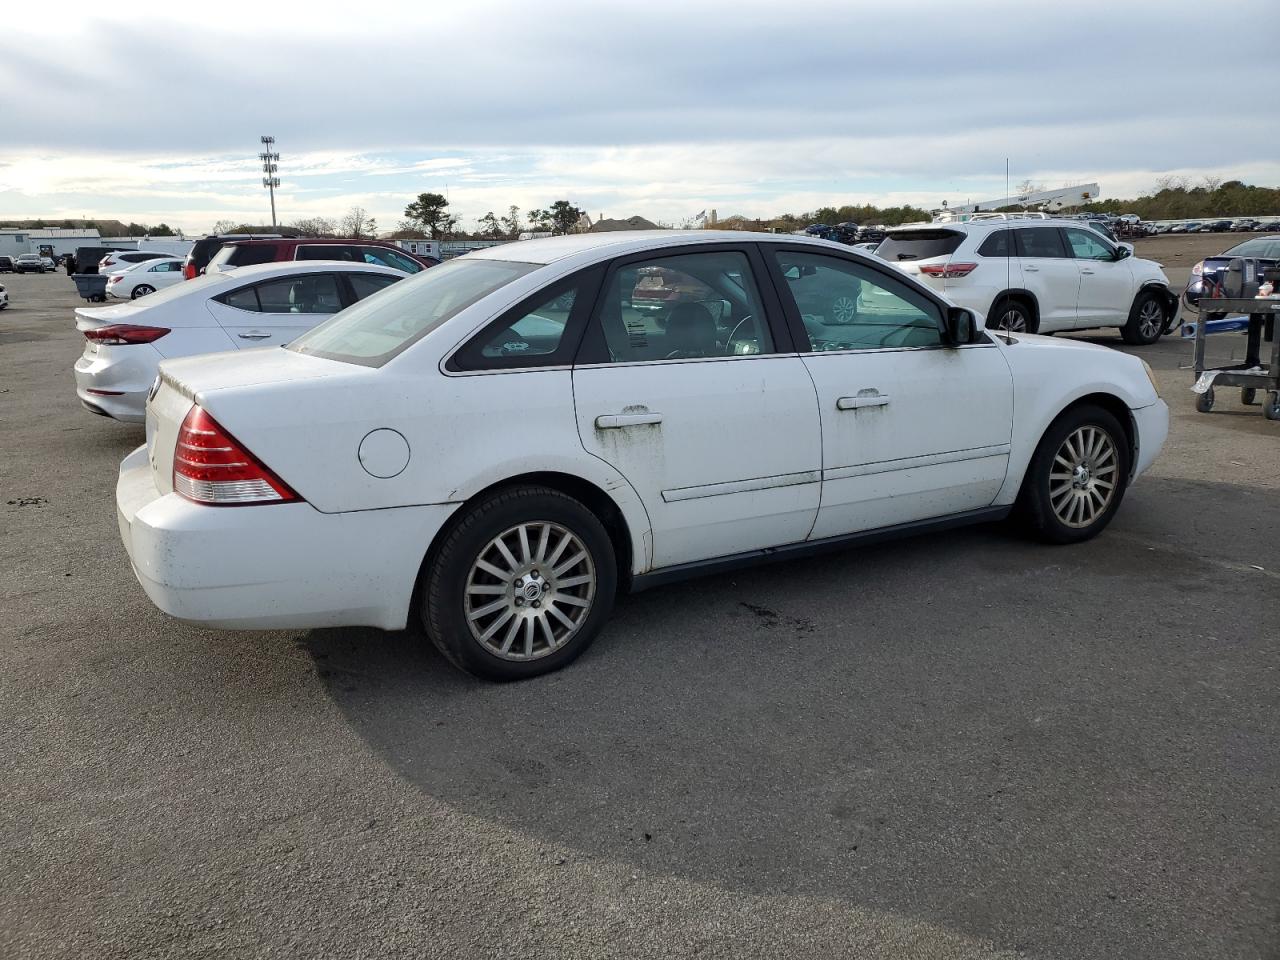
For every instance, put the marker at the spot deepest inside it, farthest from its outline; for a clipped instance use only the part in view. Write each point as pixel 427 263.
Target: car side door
pixel 1106 283
pixel 1050 274
pixel 912 428
pixel 273 312
pixel 702 404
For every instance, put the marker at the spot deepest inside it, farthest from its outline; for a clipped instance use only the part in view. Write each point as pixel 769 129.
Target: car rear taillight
pixel 188 271
pixel 948 271
pixel 210 466
pixel 121 333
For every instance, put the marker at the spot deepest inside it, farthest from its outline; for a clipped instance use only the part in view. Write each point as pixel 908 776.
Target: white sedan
pixel 133 280
pixel 497 445
pixel 254 307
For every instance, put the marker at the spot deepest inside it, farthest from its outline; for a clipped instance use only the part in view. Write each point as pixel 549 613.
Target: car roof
pixel 994 224
pixel 255 241
pixel 620 243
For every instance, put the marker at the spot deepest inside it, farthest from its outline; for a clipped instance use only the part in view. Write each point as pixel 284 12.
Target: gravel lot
pixel 964 745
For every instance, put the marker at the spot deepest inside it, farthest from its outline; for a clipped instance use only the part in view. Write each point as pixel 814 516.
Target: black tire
pixel 1006 310
pixel 1148 308
pixel 141 290
pixel 1204 401
pixel 1040 488
pixel 1249 396
pixel 1271 406
pixel 444 613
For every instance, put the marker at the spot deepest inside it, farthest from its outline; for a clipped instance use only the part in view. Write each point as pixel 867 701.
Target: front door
pixel 1106 284
pixel 273 312
pixel 912 429
pixel 681 386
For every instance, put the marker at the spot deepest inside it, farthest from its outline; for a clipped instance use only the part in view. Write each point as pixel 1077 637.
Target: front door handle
pixel 1089 272
pixel 1031 269
pixel 857 403
pixel 615 421
pixel 253 335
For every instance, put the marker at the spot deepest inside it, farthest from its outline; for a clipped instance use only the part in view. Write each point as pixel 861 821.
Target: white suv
pixel 1030 275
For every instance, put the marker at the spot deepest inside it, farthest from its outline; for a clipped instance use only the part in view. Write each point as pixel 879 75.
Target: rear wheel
pixel 1013 315
pixel 1077 478
pixel 523 583
pixel 1146 320
pixel 142 289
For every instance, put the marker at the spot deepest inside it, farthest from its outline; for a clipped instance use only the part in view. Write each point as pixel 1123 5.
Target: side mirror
pixel 1124 250
pixel 962 326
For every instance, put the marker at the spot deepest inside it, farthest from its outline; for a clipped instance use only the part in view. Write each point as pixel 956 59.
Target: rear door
pixel 1106 284
pixel 1050 273
pixel 273 312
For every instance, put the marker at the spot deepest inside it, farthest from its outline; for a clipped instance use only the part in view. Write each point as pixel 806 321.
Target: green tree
pixel 162 230
pixel 431 212
pixel 539 219
pixel 564 217
pixel 489 226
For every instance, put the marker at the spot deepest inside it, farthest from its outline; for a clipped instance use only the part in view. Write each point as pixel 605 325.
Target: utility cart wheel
pixel 1204 401
pixel 1271 407
pixel 1249 396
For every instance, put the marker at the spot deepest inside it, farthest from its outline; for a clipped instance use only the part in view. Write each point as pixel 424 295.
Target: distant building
pixel 631 223
pixel 49 242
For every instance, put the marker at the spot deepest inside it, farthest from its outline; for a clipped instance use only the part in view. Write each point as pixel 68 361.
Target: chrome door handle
pixel 1089 272
pixel 253 336
pixel 1031 269
pixel 615 421
pixel 857 403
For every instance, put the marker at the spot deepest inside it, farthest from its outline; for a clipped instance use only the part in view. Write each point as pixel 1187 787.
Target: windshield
pixel 377 328
pixel 1266 248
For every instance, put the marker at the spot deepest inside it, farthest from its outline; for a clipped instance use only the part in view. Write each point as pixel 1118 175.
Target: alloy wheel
pixel 844 309
pixel 1150 320
pixel 1013 320
pixel 1082 480
pixel 530 590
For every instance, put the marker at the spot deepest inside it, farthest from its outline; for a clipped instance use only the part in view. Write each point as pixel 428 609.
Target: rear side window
pixel 919 244
pixel 999 244
pixel 329 251
pixel 310 293
pixel 533 334
pixel 364 284
pixel 1040 242
pixel 246 255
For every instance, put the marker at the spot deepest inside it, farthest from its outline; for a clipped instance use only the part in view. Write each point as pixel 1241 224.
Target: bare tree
pixel 1211 184
pixel 1028 186
pixel 224 226
pixel 358 224
pixel 315 227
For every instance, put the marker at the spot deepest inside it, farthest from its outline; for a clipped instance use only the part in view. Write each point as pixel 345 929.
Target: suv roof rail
pixel 1037 215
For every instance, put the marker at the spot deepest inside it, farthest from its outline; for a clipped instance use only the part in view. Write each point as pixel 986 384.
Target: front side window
pixel 1087 245
pixel 391 258
pixel 847 306
pixel 373 331
pixel 692 306
pixel 1040 242
pixel 310 293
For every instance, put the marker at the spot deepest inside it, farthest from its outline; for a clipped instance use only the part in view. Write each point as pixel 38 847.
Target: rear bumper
pixel 123 375
pixel 1153 429
pixel 274 566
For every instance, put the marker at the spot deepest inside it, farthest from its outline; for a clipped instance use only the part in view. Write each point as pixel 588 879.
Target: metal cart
pixel 1252 375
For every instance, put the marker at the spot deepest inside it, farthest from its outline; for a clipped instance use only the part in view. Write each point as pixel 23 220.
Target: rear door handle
pixel 1089 272
pixel 253 335
pixel 857 403
pixel 1031 269
pixel 616 421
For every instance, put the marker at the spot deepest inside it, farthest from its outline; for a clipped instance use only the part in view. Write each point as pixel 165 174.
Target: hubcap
pixel 1082 480
pixel 1013 321
pixel 529 591
pixel 1150 319
pixel 844 309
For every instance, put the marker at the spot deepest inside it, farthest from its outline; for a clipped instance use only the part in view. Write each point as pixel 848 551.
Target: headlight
pixel 1198 269
pixel 1151 375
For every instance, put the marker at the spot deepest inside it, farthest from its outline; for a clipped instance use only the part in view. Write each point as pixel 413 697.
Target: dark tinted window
pixel 245 255
pixel 366 283
pixel 391 258
pixel 329 251
pixel 310 293
pixel 919 244
pixel 246 298
pixel 1040 242
pixel 999 244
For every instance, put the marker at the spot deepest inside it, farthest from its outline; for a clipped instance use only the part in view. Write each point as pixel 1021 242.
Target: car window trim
pixel 587 279
pixel 801 335
pixel 593 348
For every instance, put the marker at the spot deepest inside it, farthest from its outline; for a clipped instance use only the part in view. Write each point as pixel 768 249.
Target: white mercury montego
pixel 496 446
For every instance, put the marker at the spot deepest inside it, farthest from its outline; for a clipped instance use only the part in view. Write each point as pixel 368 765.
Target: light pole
pixel 269 168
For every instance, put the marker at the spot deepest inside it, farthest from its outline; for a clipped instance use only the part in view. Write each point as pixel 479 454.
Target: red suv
pixel 243 253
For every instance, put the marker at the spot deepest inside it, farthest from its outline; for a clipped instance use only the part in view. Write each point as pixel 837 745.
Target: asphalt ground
pixel 960 745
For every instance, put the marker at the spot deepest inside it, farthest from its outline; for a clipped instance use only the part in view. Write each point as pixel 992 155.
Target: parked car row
pixel 236 250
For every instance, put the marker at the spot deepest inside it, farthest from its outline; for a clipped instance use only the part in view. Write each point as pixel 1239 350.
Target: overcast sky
pixel 152 112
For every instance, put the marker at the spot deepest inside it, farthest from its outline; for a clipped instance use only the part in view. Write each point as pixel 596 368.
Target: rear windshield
pixel 919 244
pixel 376 329
pixel 1266 248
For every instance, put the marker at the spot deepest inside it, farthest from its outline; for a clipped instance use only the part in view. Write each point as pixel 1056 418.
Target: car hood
pixel 1075 368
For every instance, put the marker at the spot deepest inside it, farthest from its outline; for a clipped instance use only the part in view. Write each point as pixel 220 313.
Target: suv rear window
pixel 244 255
pixel 919 244
pixel 999 244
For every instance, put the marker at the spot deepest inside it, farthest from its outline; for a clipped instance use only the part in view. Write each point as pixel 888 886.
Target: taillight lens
pixel 210 466
pixel 121 333
pixel 948 271
pixel 188 271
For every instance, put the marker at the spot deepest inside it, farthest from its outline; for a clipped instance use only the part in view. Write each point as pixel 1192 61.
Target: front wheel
pixel 523 583
pixel 1146 320
pixel 1077 478
pixel 142 289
